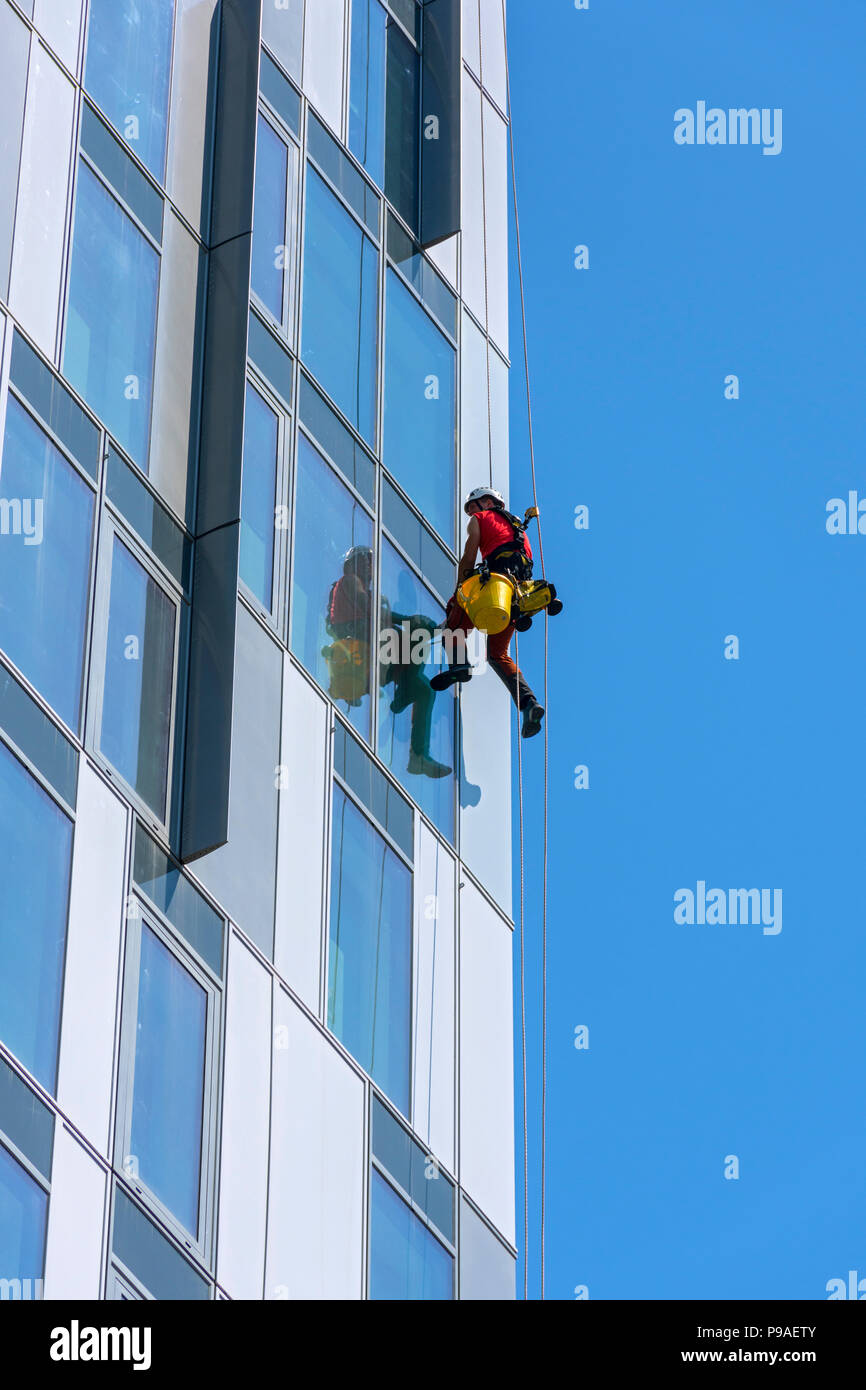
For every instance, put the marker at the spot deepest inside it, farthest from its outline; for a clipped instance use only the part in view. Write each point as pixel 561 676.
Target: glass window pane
pixel 23 1211
pixel 46 525
pixel 416 726
pixel 26 1121
pixel 175 896
pixel 51 400
pixel 35 867
pixel 128 71
pixel 406 1259
pixel 269 219
pixel 259 497
pixel 367 92
pixel 38 737
pixel 283 32
pixel 111 328
pixel 139 661
pixel 419 445
pixel 168 1088
pixel 370 956
pixel 154 1261
pixel 341 279
pixel 332 600
pixel 402 137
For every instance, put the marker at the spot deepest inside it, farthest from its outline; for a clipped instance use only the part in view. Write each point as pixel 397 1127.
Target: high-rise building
pixel 255 936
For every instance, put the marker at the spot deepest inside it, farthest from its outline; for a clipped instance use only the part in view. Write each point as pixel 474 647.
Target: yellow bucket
pixel 348 666
pixel 488 605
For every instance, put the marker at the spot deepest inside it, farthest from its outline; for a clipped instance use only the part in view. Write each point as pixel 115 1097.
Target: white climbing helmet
pixel 478 492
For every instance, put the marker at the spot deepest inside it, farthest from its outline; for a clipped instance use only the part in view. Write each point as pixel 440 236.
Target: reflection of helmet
pixel 477 493
pixel 356 558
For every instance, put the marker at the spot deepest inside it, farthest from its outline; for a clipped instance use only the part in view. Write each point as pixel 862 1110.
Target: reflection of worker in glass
pixel 350 622
pixel 405 645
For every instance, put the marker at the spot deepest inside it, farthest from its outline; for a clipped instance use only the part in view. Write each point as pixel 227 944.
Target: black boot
pixel 461 672
pixel 532 717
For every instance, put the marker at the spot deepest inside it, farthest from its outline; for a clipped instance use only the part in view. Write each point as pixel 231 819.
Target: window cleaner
pixel 498 596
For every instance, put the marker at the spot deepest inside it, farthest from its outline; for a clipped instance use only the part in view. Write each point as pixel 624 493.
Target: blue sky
pixel 707 518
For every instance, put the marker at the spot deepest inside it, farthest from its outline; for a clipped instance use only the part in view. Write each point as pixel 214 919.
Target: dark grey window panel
pixel 110 157
pixel 152 1258
pixel 357 192
pixel 341 447
pixel 207 761
pixel 441 69
pixel 236 108
pixel 429 284
pixel 156 527
pixel 207 764
pixel 25 1120
pixel 409 14
pixel 271 358
pixel 155 874
pixel 53 403
pixel 409 531
pixel 397 1152
pixel 383 801
pixel 487 1267
pixel 38 738
pixel 282 96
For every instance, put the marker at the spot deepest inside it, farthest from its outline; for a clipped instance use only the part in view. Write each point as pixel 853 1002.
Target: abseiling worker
pixel 503 544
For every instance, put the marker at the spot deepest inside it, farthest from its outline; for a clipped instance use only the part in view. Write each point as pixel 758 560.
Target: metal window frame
pixel 285 327
pixel 200 1245
pixel 110 530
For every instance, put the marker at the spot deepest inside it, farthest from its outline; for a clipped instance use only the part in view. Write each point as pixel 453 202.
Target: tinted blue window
pixel 168 1089
pixel 139 660
pixel 35 862
pixel 111 328
pixel 23 1210
pixel 370 957
pixel 259 493
pixel 46 523
pixel 340 306
pixel 406 1259
pixel 367 94
pixel 129 69
pixel 416 726
pixel 420 417
pixel 269 219
pixel 332 600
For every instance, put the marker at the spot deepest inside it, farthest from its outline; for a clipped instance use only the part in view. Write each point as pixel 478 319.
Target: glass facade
pixel 406 1259
pixel 135 731
pixel 370 950
pixel 259 496
pixel 35 860
pixel 23 1219
pixel 168 1086
pixel 339 338
pixel 233 810
pixel 332 597
pixel 129 71
pixel 45 546
pixel 111 328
